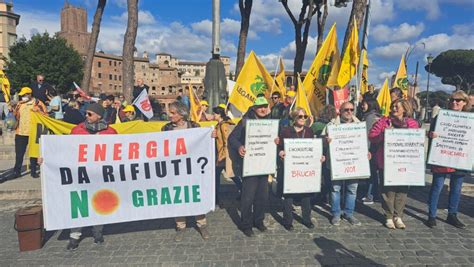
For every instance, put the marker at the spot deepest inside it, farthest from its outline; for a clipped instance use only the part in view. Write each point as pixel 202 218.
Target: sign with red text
pixel 142 102
pixel 348 151
pixel 404 157
pixel 302 165
pixel 454 145
pixel 101 179
pixel 340 96
pixel 260 147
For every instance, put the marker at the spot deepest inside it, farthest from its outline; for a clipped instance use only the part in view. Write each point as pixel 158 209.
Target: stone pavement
pixel 151 242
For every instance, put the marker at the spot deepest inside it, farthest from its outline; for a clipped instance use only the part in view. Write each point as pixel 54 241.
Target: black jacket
pixel 74 116
pixel 137 90
pixel 39 92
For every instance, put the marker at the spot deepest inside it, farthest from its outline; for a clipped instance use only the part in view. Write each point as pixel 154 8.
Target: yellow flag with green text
pixel 280 79
pixel 301 100
pixel 350 59
pixel 384 99
pixel 323 71
pixel 253 80
pixel 401 80
pixel 364 81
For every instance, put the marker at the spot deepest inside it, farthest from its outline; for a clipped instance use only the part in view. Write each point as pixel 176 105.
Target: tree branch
pixel 287 9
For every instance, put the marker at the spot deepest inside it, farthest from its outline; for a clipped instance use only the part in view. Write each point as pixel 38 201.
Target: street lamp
pixel 430 60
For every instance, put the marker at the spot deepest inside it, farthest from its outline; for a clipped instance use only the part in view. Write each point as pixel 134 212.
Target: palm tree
pixel 245 7
pixel 92 45
pixel 128 49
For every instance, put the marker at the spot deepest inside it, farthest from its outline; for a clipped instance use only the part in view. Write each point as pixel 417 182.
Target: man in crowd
pixel 276 105
pixel 94 124
pixel 282 111
pixel 370 93
pixel 254 188
pixel 346 115
pixel 40 89
pixel 23 116
pixel 110 111
pixel 136 92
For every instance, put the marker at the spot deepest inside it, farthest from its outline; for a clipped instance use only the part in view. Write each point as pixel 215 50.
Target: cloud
pixel 228 27
pixel 441 42
pixel 144 17
pixel 403 32
pixel 382 10
pixel 384 75
pixel 393 50
pixel 37 22
pixel 431 7
pixel 463 29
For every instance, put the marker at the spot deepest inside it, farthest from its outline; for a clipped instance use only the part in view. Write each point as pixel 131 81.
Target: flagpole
pixel 274 75
pixel 365 40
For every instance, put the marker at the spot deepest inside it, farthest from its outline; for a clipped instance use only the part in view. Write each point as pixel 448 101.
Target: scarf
pixel 399 124
pixel 93 128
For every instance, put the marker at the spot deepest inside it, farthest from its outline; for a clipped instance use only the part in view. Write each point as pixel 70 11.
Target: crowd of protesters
pixel 95 118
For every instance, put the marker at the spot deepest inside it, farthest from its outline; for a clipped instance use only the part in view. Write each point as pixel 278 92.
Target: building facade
pixel 74 27
pixel 8 23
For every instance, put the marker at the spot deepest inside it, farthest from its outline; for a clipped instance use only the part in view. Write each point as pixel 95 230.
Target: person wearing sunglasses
pixel 93 124
pixel 459 101
pixel 346 115
pixel 40 89
pixel 298 130
pixel 277 106
pixel 393 197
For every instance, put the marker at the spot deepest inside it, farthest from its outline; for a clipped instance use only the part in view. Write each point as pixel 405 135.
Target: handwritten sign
pixel 404 157
pixel 348 151
pixel 454 145
pixel 260 155
pixel 302 165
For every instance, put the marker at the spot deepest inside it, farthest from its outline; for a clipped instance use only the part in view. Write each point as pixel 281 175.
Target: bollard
pixel 29 225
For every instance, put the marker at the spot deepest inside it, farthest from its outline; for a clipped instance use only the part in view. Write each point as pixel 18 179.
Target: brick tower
pixel 74 27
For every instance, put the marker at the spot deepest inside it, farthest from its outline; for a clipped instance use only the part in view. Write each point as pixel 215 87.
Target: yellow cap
pixel 222 106
pixel 291 93
pixel 128 108
pixel 204 102
pixel 25 90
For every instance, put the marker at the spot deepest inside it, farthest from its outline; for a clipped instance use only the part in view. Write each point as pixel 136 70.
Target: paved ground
pixel 151 242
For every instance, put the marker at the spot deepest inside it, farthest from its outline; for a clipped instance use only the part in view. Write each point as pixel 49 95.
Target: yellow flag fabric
pixel 253 79
pixel 42 125
pixel 351 58
pixel 364 81
pixel 401 80
pixel 280 79
pixel 194 104
pixel 301 100
pixel 5 84
pixel 384 99
pixel 323 71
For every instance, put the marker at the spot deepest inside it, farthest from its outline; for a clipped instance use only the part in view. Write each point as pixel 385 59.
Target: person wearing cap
pixel 254 188
pixel 22 113
pixel 222 132
pixel 94 124
pixel 202 115
pixel 129 113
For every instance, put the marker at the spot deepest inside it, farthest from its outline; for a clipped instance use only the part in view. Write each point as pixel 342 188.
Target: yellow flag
pixel 301 100
pixel 194 104
pixel 323 71
pixel 5 84
pixel 280 79
pixel 384 99
pixel 401 80
pixel 364 81
pixel 253 80
pixel 351 58
pixel 117 118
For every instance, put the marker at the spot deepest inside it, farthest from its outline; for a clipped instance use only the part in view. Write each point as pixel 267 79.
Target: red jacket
pixel 81 129
pixel 376 136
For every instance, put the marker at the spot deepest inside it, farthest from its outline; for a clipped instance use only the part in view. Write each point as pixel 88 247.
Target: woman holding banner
pixel 393 197
pixel 459 101
pixel 298 130
pixel 179 120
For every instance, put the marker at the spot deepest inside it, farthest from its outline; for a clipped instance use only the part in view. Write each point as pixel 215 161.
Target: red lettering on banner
pixel 453 153
pixel 100 150
pixel 145 104
pixel 180 147
pixel 117 152
pixel 133 151
pixel 151 151
pixel 298 174
pixel 166 148
pixel 82 153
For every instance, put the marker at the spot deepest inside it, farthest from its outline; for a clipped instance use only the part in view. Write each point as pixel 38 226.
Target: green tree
pixel 440 97
pixel 455 67
pixel 43 54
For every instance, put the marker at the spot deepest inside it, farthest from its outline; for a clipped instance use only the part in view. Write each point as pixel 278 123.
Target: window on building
pixel 110 77
pixel 110 62
pixel 110 86
pixel 99 64
pixel 120 77
pixel 99 75
pixel 163 88
pixel 115 77
pixel 153 88
pixel 115 87
pixel 115 63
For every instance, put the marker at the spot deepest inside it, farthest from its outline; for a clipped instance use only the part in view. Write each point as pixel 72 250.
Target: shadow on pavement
pixel 334 253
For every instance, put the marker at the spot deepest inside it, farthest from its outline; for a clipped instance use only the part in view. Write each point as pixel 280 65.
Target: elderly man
pixel 94 124
pixel 136 92
pixel 254 188
pixel 346 115
pixel 40 89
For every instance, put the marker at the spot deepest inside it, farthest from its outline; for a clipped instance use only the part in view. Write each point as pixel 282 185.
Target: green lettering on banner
pixel 137 198
pixel 79 204
pixel 165 196
pixel 177 193
pixel 196 193
pixel 186 194
pixel 151 197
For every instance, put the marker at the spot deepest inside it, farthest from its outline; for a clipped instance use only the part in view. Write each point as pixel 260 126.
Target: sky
pixel 183 29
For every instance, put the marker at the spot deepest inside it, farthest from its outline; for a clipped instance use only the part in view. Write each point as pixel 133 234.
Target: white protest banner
pixel 404 157
pixel 101 179
pixel 454 145
pixel 142 102
pixel 260 147
pixel 302 165
pixel 348 151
